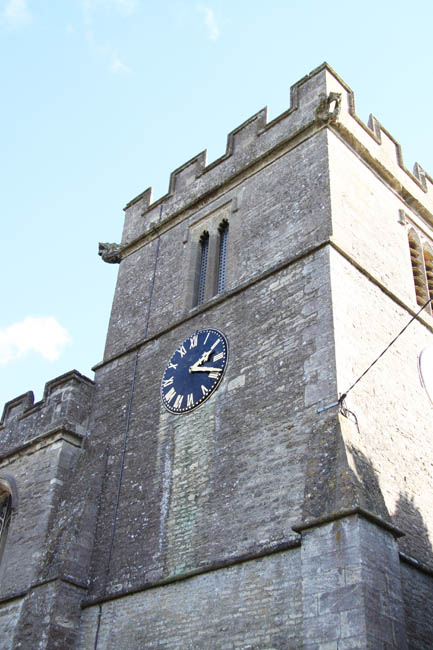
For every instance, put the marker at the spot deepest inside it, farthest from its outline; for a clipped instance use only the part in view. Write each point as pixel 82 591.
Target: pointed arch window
pixel 5 515
pixel 223 230
pixel 416 258
pixel 204 253
pixel 421 258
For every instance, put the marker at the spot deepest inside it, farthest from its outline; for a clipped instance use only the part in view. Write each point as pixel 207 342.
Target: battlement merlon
pixel 313 104
pixel 66 402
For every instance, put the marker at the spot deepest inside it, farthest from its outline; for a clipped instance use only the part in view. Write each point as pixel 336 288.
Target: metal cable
pixel 344 395
pixel 128 418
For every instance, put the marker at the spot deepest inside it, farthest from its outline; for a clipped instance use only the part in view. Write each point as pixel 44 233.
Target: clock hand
pixel 204 369
pixel 197 363
pixel 207 354
pixel 204 357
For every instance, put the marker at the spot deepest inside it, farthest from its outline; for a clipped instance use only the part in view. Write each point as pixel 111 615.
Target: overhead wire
pixel 344 395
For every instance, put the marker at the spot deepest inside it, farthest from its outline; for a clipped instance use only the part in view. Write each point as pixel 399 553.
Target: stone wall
pixel 9 617
pixel 417 586
pixel 41 445
pixel 256 604
pixel 226 479
pixel 258 520
pixel 277 213
pixel 374 298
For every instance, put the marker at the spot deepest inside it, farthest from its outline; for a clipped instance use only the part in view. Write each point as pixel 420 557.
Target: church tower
pixel 231 478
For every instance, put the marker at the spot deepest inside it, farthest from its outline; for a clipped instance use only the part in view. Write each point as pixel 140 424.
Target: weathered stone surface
pixel 10 612
pixel 258 520
pixel 49 618
pixel 197 493
pixel 255 604
pixel 417 589
pixel 351 586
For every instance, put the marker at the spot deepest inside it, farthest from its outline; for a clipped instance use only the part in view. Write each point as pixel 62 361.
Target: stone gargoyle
pixel 110 253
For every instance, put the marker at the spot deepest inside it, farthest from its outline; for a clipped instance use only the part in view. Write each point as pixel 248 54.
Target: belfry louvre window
pixel 212 262
pixel 222 256
pixel 428 263
pixel 204 253
pixel 5 515
pixel 421 257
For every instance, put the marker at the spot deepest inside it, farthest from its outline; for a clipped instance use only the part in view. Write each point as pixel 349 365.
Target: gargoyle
pixel 110 253
pixel 329 107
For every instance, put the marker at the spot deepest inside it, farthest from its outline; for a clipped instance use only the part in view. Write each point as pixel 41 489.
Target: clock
pixel 194 371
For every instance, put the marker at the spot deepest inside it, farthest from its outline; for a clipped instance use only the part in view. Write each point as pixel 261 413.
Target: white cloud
pixel 91 10
pixel 118 67
pixel 43 335
pixel 210 22
pixel 17 13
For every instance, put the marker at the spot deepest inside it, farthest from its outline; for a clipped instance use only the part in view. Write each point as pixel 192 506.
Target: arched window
pixel 204 250
pixel 223 230
pixel 210 278
pixel 419 276
pixel 5 513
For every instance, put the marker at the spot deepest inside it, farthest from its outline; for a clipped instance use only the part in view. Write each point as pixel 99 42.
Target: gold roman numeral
pixel 167 382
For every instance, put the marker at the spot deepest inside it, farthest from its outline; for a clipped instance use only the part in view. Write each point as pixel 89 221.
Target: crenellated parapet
pixel 65 407
pixel 319 100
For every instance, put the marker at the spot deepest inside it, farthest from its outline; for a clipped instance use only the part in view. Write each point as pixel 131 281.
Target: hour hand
pixel 204 357
pixel 196 368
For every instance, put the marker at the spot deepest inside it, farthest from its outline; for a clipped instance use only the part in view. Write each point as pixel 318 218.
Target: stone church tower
pixel 216 493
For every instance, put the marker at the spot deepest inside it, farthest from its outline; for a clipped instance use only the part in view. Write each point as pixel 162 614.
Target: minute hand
pixel 204 369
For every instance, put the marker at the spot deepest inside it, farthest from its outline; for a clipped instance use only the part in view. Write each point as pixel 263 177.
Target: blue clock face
pixel 194 371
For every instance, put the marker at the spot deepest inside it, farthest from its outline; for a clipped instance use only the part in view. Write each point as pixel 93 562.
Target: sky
pixel 104 98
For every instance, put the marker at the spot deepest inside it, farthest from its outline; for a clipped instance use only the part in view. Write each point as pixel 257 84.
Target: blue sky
pixel 103 98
